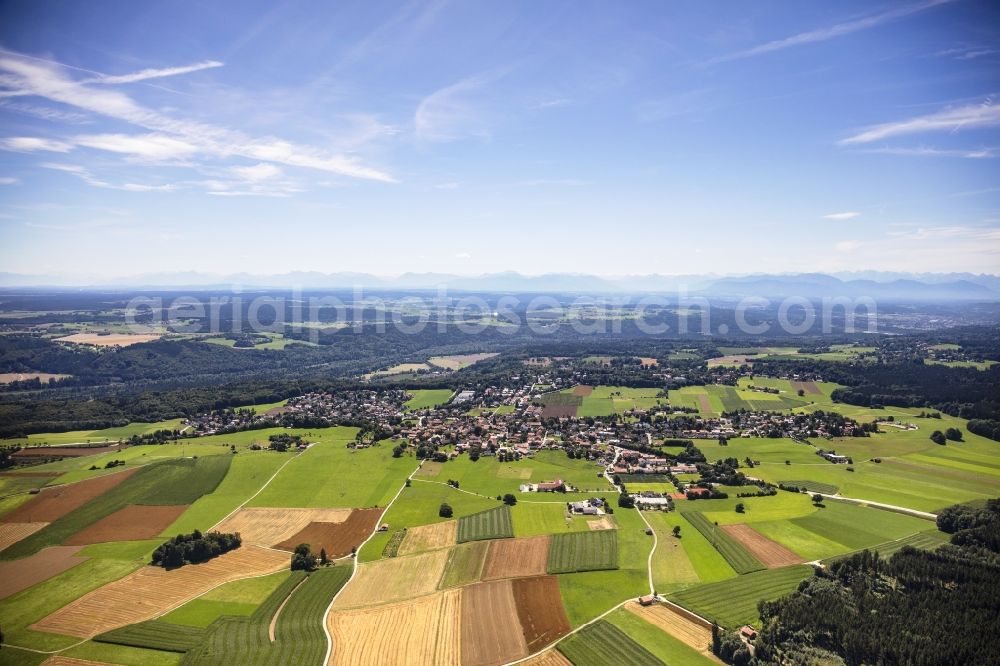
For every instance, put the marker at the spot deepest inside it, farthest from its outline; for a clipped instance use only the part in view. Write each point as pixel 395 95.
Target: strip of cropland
pixel 490 524
pixel 738 557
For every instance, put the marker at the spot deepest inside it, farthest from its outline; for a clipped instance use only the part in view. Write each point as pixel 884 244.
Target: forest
pixel 917 607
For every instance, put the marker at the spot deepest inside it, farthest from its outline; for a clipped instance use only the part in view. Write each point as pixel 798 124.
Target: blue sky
pixel 470 137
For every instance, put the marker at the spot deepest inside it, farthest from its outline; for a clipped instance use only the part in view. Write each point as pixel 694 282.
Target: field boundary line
pixel 926 515
pixel 259 491
pixel 277 613
pixel 27 649
pixel 354 570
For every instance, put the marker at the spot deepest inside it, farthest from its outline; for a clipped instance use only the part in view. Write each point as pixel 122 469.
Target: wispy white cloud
pixel 949 232
pixel 259 172
pixel 22 76
pixel 970 116
pixel 86 176
pixel 454 112
pixel 925 151
pixel 8 180
pixel 967 52
pixel 830 32
pixel 447 186
pixel 147 146
pixel 849 215
pixel 146 74
pixel 463 255
pixel 31 144
pixel 847 245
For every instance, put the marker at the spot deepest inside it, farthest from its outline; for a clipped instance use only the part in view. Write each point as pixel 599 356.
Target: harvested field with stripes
pixel 583 551
pixel 266 527
pixel 770 553
pixel 131 523
pixel 11 533
pixel 490 524
pixel 551 657
pixel 739 558
pixel 429 537
pixel 491 631
pixel 511 558
pixel 733 602
pixel 603 643
pixel 694 634
pixel 421 631
pixel 394 579
pixel 540 610
pixel 337 538
pixel 55 502
pixel 152 591
pixel 59 660
pixel 17 575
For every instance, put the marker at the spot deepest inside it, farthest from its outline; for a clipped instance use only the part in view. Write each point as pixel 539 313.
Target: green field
pixel 661 644
pixel 603 643
pixel 488 476
pixel 28 606
pixel 248 472
pixel 427 398
pixel 733 602
pixel 418 505
pixel 154 635
pixel 236 598
pixel 465 564
pixel 683 561
pixel 172 482
pixel 299 636
pixel 490 524
pixel 583 551
pixel 548 518
pixel 736 555
pixel 929 540
pixel 329 474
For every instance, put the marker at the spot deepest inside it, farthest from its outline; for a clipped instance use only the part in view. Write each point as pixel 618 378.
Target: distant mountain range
pixel 883 285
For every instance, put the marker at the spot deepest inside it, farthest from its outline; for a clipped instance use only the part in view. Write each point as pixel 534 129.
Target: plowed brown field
pixel 511 558
pixel 771 554
pixel 152 591
pixel 393 579
pixel 583 390
pixel 54 503
pixel 809 388
pixel 337 538
pixel 11 533
pixel 429 537
pixel 266 527
pixel 540 610
pixel 491 632
pixel 132 523
pixel 17 575
pixel 421 631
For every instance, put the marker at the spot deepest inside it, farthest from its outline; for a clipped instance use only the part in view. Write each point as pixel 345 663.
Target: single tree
pixel 740 508
pixel 938 437
pixel 817 499
pixel 677 531
pixel 445 511
pixel 509 499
